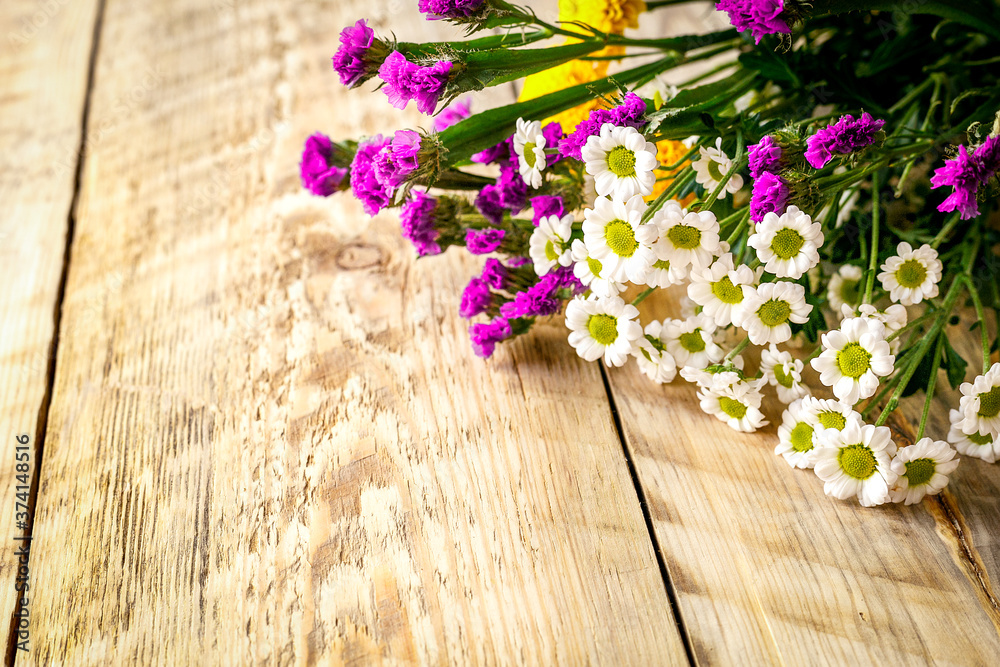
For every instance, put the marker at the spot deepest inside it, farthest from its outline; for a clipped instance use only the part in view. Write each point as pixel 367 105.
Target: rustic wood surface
pixel 266 440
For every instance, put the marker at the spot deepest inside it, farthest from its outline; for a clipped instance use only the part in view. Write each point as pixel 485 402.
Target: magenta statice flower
pixel 405 81
pixel 495 274
pixel 319 174
pixel 476 298
pixel 485 336
pixel 764 156
pixel 542 298
pixel 398 159
pixel 351 60
pixel 498 153
pixel 450 9
pixel 630 113
pixel 417 223
pixel 770 195
pixel 489 204
pixel 760 17
pixel 513 189
pixel 458 111
pixel 543 206
pixel 364 183
pixel 483 241
pixel 842 138
pixel 966 173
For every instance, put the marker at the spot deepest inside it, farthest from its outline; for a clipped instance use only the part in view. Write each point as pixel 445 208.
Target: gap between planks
pixel 41 423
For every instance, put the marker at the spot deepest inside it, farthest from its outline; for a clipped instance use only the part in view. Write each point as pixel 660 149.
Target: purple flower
pixel 764 157
pixel 513 189
pixel 842 138
pixel 451 9
pixel 489 204
pixel 456 112
pixel 405 81
pixel 495 274
pixel 770 195
pixel 349 61
pixel 630 113
pixel 319 175
pixel 398 159
pixel 364 183
pixel 518 262
pixel 543 206
pixel 966 173
pixel 483 241
pixel 485 336
pixel 541 299
pixel 417 222
pixel 500 153
pixel 760 17
pixel 476 298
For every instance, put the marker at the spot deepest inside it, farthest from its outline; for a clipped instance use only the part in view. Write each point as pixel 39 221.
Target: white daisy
pixel 652 357
pixel 980 445
pixel 686 238
pixel 854 358
pixel 705 378
pixel 845 287
pixel 663 274
pixel 712 166
pixel 894 318
pixel 980 403
pixel 621 161
pixel 767 311
pixel 784 373
pixel 690 341
pixel 922 469
pixel 615 237
pixel 529 144
pixel 788 245
pixel 603 327
pixel 719 288
pixel 855 461
pixel 588 271
pixel 804 419
pixel 911 275
pixel 735 403
pixel 549 245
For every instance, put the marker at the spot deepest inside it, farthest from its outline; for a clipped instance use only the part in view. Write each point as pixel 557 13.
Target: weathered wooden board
pixel 273 445
pixel 44 55
pixel 768 570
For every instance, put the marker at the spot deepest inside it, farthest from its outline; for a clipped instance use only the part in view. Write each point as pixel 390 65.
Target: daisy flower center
pixel 774 312
pixel 857 461
pixel 787 243
pixel 620 238
pixel 692 342
pixel 830 419
pixel 911 273
pixel 980 439
pixel 919 471
pixel 550 251
pixel 802 437
pixel 529 154
pixel 621 162
pixel 663 264
pixel 854 360
pixel 989 403
pixel 595 266
pixel 685 236
pixel 732 407
pixel 726 292
pixel 603 328
pixel 783 378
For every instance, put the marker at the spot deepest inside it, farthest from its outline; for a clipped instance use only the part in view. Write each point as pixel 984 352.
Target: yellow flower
pixel 561 77
pixel 611 16
pixel 669 152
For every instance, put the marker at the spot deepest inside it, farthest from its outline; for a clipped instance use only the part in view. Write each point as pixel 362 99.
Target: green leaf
pixel 684 111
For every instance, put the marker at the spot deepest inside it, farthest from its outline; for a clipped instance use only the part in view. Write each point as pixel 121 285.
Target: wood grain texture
pixel 44 52
pixel 768 570
pixel 274 445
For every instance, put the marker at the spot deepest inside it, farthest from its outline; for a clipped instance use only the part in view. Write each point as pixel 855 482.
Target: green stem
pixel 873 262
pixel 981 317
pixel 909 326
pixel 642 295
pixel 736 350
pixel 675 187
pixel 740 227
pixel 949 225
pixel 931 384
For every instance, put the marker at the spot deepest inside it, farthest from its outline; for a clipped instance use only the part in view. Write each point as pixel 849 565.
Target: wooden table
pixel 259 435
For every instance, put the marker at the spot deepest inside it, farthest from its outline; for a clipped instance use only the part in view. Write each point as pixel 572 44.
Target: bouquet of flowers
pixel 819 179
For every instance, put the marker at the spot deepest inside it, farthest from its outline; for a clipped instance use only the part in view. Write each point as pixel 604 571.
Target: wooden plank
pixel 768 570
pixel 274 445
pixel 44 53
